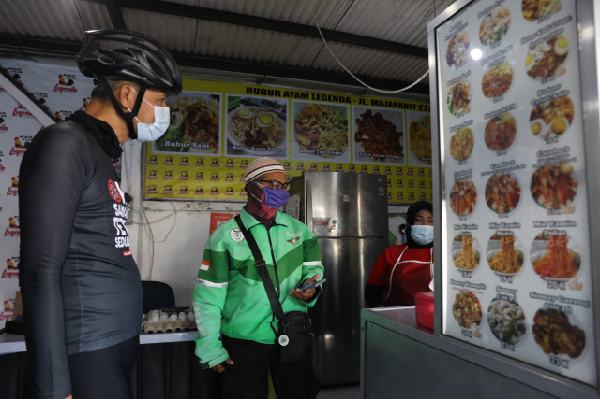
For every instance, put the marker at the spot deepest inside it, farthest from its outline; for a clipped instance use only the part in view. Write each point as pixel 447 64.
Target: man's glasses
pixel 276 184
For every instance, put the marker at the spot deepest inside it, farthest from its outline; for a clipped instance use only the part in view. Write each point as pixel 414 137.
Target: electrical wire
pixel 410 86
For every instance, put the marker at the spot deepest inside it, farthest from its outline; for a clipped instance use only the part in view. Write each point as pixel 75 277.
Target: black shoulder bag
pixel 294 334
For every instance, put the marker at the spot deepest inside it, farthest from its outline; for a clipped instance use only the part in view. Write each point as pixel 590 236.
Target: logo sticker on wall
pixel 12 267
pixel 20 144
pixel 21 112
pixel 13 189
pixel 65 84
pixel 13 229
pixel 9 310
pixel 3 126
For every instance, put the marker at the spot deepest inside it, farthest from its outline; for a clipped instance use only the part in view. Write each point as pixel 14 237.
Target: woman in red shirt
pixel 403 270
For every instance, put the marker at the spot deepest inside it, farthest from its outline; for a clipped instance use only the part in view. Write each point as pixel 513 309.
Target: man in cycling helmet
pixel 82 291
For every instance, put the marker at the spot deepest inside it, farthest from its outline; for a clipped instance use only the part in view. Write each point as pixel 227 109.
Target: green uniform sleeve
pixel 208 299
pixel 312 264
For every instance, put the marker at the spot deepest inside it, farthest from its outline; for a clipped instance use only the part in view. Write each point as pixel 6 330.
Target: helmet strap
pixel 126 116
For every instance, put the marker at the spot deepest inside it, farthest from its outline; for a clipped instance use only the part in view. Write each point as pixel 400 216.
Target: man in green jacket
pixel 235 320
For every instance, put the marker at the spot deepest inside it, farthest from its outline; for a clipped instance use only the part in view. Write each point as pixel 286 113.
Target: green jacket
pixel 229 297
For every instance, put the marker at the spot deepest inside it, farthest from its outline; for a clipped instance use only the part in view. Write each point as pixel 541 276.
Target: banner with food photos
pixel 517 276
pixel 218 127
pixel 61 88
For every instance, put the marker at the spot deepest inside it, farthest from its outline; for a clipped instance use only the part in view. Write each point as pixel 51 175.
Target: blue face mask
pixel 422 234
pixel 275 198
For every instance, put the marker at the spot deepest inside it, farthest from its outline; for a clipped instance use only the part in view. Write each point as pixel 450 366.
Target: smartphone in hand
pixel 311 284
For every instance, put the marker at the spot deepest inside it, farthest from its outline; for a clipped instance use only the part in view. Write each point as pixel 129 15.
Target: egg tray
pixel 167 326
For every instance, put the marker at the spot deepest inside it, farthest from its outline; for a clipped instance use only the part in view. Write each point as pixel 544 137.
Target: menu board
pixel 516 245
pixel 218 127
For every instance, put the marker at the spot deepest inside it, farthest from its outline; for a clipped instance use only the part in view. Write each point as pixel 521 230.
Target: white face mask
pixel 153 131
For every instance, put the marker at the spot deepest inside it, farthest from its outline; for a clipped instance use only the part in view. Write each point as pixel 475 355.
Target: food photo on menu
pixel 465 252
pixel 554 187
pixel 506 320
pixel 378 135
pixel 461 144
pixel 504 256
pixel 500 131
pixel 195 124
pixel 320 130
pixel 551 118
pixel 467 311
pixel 256 126
pixel 419 138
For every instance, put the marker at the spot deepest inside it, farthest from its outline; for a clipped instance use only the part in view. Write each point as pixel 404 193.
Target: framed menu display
pixel 516 244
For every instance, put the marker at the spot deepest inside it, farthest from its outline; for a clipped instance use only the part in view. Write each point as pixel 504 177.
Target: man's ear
pixel 125 94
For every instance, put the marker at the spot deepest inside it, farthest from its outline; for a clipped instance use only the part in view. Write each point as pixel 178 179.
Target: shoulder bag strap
pixel 262 269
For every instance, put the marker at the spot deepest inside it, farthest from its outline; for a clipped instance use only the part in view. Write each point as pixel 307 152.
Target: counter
pixel 16 343
pixel 166 368
pixel 398 359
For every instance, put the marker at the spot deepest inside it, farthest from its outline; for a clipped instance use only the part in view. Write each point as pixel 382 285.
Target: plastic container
pixel 424 310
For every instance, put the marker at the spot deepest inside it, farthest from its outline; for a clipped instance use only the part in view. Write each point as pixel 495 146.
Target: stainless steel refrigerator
pixel 348 213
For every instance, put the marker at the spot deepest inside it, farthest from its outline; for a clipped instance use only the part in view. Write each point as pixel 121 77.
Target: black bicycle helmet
pixel 119 54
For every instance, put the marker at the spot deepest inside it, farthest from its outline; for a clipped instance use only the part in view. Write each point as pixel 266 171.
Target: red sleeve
pixel 381 268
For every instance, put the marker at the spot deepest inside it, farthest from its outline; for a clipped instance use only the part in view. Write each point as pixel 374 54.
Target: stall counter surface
pixel 16 343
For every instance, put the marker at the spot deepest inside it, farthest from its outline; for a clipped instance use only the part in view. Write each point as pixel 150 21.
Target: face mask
pixel 422 234
pixel 153 131
pixel 275 198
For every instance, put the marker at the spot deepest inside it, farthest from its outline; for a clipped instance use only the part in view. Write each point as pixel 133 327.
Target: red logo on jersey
pixel 114 191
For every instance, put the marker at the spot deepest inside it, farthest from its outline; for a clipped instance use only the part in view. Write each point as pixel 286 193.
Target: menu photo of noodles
pixel 554 256
pixel 465 252
pixel 320 132
pixel 256 126
pixel 419 138
pixel 195 125
pixel 378 135
pixel 504 254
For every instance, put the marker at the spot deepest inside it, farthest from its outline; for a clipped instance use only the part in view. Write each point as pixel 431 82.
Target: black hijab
pixel 410 220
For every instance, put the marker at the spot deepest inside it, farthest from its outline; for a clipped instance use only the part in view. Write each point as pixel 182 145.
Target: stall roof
pixel 382 41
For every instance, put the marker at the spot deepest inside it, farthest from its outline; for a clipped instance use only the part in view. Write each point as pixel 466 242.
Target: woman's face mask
pixel 422 234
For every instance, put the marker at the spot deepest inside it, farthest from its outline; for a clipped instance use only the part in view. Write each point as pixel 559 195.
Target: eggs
pixel 266 119
pixel 559 125
pixel 536 127
pixel 561 46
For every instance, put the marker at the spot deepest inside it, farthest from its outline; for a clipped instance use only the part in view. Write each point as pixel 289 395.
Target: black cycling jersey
pixel 81 287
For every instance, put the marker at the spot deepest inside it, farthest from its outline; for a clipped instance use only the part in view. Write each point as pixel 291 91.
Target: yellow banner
pixel 218 127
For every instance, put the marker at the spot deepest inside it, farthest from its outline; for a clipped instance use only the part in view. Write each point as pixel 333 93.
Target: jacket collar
pixel 250 221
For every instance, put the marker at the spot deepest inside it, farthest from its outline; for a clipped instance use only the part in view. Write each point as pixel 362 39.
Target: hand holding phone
pixel 308 284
